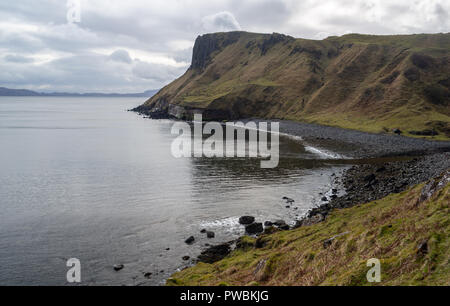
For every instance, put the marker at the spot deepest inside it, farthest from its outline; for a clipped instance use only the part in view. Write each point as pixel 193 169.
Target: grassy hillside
pixel 364 82
pixel 391 229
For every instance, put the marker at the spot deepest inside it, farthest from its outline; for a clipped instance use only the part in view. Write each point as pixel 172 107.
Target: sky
pixel 137 45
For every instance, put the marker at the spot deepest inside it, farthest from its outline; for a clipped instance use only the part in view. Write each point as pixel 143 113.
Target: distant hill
pixel 364 82
pixel 29 93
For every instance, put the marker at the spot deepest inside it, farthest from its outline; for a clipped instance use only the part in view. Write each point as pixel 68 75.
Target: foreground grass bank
pixel 408 232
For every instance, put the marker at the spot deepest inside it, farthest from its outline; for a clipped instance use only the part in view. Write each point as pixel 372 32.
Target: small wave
pixel 221 223
pixel 324 153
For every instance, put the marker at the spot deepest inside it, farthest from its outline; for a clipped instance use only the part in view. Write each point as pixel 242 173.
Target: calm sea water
pixel 82 178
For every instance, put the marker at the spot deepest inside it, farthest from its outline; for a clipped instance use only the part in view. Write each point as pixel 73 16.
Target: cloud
pixel 138 45
pixel 220 22
pixel 121 56
pixel 18 59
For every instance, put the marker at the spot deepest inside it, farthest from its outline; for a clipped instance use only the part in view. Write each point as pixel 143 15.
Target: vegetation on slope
pixel 364 82
pixel 408 232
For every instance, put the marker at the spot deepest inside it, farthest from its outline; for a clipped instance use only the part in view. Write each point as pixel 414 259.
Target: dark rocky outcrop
pixel 206 45
pixel 215 253
pixel 254 228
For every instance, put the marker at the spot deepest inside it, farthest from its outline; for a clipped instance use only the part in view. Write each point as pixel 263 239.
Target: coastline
pixel 386 164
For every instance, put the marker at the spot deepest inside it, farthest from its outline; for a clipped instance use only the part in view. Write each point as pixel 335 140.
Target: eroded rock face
pixel 206 45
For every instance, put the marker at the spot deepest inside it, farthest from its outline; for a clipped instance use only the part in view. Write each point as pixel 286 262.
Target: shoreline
pixel 384 164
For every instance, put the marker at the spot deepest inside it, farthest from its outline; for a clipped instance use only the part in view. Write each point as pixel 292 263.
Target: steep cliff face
pixel 371 83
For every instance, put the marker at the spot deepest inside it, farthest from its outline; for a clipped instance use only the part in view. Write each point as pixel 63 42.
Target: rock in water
pixel 254 228
pixel 190 240
pixel 246 220
pixel 186 258
pixel 268 224
pixel 210 235
pixel 118 267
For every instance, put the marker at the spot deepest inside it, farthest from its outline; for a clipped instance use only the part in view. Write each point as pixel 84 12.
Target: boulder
pixel 210 235
pixel 215 253
pixel 186 258
pixel 246 220
pixel 148 275
pixel 118 267
pixel 254 228
pixel 190 240
pixel 279 222
pixel 268 224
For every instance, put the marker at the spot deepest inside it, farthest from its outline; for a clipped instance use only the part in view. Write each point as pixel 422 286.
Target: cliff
pixel 363 82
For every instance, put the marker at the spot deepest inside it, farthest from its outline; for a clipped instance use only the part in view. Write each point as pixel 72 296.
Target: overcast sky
pixel 135 45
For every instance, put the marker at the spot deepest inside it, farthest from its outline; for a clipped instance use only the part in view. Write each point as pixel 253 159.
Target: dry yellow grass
pixel 390 229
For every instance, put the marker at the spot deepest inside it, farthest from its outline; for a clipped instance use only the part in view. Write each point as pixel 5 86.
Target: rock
pixel 324 199
pixel 288 207
pixel 423 248
pixel 168 249
pixel 424 133
pixel 118 267
pixel 268 224
pixel 215 253
pixel 203 231
pixel 246 220
pixel 369 178
pixel 190 240
pixel 254 228
pixel 210 235
pixel 288 200
pixel 313 220
pixel 279 223
pixel 397 131
pixel 327 243
pixel 335 191
pixel 186 258
pixel 284 227
pixel 148 275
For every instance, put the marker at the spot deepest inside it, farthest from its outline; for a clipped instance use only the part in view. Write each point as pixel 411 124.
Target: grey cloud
pixel 92 55
pixel 121 56
pixel 157 72
pixel 18 59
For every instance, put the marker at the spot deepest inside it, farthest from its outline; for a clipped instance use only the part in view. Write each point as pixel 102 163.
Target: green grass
pixel 363 82
pixel 389 229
